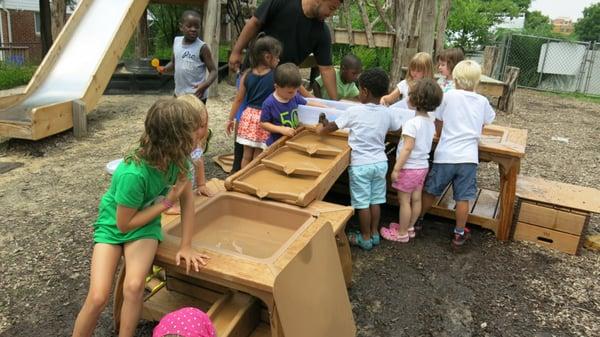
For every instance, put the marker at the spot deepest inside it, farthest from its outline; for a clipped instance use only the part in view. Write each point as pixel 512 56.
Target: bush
pixel 370 57
pixel 13 76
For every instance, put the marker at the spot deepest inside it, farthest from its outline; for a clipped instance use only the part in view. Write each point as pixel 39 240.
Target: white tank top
pixel 189 68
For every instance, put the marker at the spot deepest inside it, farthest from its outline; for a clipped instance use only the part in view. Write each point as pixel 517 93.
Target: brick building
pixel 563 26
pixel 20 31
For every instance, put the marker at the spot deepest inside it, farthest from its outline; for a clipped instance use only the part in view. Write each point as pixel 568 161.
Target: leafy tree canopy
pixel 588 27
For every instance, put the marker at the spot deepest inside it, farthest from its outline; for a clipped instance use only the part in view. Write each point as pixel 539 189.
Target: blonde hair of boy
pixel 420 62
pixel 200 108
pixel 466 75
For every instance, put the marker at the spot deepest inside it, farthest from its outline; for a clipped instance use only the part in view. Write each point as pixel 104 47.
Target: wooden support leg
pixel 79 119
pixel 345 257
pixel 118 297
pixel 508 188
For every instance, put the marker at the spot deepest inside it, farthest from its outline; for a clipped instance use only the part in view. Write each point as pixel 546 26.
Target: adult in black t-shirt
pixel 299 25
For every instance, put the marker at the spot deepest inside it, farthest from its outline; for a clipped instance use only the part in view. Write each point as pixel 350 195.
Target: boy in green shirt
pixel 345 79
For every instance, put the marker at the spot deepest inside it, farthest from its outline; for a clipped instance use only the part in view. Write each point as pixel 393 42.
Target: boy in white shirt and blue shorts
pixel 368 125
pixel 461 118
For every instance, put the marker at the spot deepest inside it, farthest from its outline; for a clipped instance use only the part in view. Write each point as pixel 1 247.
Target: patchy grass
pixel 13 76
pixel 575 95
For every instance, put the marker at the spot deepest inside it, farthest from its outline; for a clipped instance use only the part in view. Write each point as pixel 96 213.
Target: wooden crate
pixel 553 214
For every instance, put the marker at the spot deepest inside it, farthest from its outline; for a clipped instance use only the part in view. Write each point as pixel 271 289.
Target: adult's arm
pixel 328 76
pixel 249 31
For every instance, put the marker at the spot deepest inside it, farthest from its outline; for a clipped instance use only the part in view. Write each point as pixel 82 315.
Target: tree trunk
pixel 426 36
pixel 141 37
pixel 212 32
pixel 403 10
pixel 441 25
pixel 59 14
pixel 45 26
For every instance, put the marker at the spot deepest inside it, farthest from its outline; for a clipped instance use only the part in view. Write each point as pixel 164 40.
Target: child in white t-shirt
pixel 368 125
pixel 412 157
pixel 461 118
pixel 420 66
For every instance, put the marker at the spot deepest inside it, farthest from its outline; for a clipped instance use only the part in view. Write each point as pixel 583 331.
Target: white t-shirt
pixel 464 114
pixel 404 89
pixel 368 126
pixel 422 130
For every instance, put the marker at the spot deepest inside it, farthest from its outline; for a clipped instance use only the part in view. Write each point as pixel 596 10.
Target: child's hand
pixel 290 132
pixel 395 174
pixel 160 69
pixel 229 125
pixel 177 189
pixel 383 100
pixel 204 190
pixel 191 257
pixel 319 129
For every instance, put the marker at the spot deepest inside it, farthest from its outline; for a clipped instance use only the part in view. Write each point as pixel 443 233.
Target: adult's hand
pixel 235 60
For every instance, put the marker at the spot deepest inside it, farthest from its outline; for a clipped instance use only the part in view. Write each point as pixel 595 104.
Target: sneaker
pixel 356 239
pixel 460 239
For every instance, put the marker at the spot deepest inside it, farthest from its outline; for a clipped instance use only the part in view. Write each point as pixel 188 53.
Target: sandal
pixel 411 231
pixel 357 239
pixel 376 239
pixel 391 234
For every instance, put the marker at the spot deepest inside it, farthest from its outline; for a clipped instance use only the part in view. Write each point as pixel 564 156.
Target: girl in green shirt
pixel 149 181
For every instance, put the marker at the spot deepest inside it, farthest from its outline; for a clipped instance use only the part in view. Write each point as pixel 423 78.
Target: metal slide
pixel 77 67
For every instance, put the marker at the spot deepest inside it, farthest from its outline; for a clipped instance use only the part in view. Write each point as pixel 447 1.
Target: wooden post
pixel 348 23
pixel 365 18
pixel 79 119
pixel 212 31
pixel 403 14
pixel 426 36
pixel 141 37
pixel 507 101
pixel 58 8
pixel 442 22
pixel 489 60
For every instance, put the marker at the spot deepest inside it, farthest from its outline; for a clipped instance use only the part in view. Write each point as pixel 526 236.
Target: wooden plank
pixel 486 204
pixel 79 119
pixel 193 290
pixel 446 200
pixel 507 101
pixel 165 301
pixel 560 194
pixel 262 330
pixel 235 316
pixel 549 217
pixel 381 39
pixel 564 242
pixel 51 119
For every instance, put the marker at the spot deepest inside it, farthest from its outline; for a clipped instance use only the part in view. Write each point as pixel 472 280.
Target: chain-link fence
pixel 551 64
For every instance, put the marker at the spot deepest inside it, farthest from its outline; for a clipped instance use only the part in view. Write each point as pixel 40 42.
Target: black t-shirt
pixel 299 35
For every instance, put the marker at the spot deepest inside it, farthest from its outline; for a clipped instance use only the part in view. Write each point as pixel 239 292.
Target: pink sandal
pixel 411 231
pixel 391 234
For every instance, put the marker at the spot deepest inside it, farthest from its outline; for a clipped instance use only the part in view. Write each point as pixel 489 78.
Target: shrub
pixel 13 76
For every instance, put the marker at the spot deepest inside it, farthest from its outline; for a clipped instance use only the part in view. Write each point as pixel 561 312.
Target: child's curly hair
pixel 168 135
pixel 426 95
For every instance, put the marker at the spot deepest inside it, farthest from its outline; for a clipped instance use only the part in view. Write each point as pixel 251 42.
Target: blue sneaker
pixel 357 239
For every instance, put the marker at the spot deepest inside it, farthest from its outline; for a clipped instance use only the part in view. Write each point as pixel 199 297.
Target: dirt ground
pixel 419 289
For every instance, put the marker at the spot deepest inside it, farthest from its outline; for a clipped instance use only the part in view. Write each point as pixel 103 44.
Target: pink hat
pixel 186 322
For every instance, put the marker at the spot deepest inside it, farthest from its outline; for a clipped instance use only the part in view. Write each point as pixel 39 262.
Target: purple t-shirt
pixel 278 113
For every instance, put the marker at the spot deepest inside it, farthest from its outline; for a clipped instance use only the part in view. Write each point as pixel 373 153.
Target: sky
pixel 554 8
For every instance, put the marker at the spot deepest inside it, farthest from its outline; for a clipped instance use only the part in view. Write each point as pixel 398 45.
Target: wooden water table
pixel 276 269
pixel 492 210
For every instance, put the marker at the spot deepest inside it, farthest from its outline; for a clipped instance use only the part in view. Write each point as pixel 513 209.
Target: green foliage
pixel 537 24
pixel 470 21
pixel 370 57
pixel 13 76
pixel 588 27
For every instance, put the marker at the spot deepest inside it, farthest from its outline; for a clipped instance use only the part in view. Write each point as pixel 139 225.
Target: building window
pixel 37 22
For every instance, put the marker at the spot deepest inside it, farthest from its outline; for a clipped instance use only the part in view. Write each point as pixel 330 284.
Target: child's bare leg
pixel 364 219
pixel 257 152
pixel 426 202
pixel 105 258
pixel 462 213
pixel 405 213
pixel 139 255
pixel 375 218
pixel 415 205
pixel 248 155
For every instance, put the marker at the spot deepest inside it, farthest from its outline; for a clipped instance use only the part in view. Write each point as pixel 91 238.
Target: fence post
pixel 543 62
pixel 505 55
pixel 590 66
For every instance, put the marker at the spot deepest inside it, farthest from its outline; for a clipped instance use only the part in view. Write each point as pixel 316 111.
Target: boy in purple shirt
pixel 279 113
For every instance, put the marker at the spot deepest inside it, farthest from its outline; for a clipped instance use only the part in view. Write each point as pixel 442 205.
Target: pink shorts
pixel 410 180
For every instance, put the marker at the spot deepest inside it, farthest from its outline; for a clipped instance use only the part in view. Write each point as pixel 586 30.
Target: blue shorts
pixel 367 184
pixel 462 176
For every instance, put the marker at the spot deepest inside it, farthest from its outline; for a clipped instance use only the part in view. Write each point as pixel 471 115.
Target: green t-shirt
pixel 133 185
pixel 344 90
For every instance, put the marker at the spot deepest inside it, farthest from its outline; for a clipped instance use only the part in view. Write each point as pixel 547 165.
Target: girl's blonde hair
pixel 168 135
pixel 420 62
pixel 466 75
pixel 200 108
